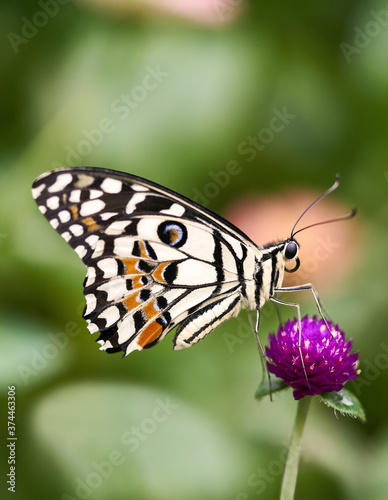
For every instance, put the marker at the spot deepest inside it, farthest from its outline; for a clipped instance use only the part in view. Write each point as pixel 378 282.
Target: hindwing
pixel 154 258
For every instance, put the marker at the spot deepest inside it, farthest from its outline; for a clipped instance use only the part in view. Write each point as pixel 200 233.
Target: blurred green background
pixel 185 425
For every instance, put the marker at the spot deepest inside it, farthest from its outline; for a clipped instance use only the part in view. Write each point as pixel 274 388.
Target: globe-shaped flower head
pixel 326 357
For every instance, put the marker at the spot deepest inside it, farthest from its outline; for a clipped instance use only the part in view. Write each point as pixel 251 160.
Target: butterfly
pixel 157 260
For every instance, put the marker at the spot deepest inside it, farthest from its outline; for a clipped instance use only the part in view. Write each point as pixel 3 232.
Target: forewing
pixel 154 258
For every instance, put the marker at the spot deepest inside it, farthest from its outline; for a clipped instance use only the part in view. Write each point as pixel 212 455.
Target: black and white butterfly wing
pixel 155 259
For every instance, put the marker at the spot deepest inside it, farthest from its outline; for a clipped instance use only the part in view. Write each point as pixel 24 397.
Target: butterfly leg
pixel 255 329
pixel 278 313
pixel 309 287
pixel 294 304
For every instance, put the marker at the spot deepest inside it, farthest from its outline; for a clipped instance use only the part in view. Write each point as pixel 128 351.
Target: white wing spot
pixel 54 223
pixel 123 246
pixel 133 346
pixel 92 328
pixel 62 181
pixel 108 267
pixel 75 196
pixel 105 345
pixel 83 181
pixel 53 203
pixel 126 329
pixel 81 250
pixel 111 186
pixel 77 229
pixel 115 289
pixel 66 236
pixel 99 250
pixel 91 207
pixel 90 276
pixel 95 193
pixel 111 315
pixel 42 208
pixel 64 216
pixel 117 227
pixel 36 192
pixel 175 209
pixel 131 205
pixel 92 240
pixel 108 215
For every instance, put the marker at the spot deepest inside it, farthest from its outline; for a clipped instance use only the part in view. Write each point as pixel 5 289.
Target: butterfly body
pixel 155 259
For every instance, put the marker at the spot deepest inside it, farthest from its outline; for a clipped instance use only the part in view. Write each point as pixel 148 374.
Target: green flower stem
pixel 291 469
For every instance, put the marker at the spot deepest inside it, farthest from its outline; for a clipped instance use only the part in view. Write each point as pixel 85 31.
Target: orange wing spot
pixel 74 210
pixel 91 224
pixel 143 251
pixel 173 235
pixel 131 302
pixel 150 333
pixel 149 310
pixel 158 273
pixel 130 266
pixel 136 282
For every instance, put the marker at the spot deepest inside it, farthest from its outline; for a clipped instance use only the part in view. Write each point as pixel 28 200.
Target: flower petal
pixel 327 360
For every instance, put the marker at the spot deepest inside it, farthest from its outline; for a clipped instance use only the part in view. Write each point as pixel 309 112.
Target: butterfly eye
pixel 291 250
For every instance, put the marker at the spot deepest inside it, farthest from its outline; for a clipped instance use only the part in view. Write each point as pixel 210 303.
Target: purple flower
pixel 328 362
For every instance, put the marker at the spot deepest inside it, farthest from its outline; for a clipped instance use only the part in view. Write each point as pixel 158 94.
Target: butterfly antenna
pixel 330 190
pixel 337 219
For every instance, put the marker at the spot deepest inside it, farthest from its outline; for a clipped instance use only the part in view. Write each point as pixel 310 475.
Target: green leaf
pixel 345 402
pixel 265 389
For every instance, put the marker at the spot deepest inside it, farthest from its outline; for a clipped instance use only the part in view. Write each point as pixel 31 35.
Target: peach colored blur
pixel 328 253
pixel 201 11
